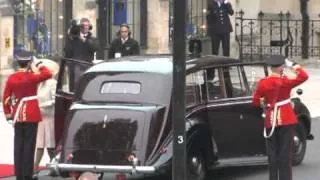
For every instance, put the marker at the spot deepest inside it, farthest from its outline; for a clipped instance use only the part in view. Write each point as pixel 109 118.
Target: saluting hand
pixel 288 63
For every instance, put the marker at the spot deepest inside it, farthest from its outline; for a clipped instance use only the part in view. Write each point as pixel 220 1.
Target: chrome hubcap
pixel 196 166
pixel 297 144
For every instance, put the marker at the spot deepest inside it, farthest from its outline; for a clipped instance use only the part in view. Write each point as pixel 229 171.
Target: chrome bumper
pixel 133 169
pixel 102 168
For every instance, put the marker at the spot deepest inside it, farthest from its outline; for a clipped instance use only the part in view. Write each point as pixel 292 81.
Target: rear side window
pixel 113 87
pixel 193 89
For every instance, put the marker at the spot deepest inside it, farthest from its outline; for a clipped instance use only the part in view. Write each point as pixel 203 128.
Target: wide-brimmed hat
pixel 51 65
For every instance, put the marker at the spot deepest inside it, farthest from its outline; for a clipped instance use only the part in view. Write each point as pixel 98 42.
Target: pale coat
pixel 46 97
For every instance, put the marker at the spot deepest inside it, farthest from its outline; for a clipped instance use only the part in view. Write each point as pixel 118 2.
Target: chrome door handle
pixel 105 119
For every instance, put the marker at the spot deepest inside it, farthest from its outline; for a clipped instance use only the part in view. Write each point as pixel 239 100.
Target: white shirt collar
pixel 124 40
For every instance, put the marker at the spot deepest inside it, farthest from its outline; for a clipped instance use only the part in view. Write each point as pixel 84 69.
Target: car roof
pixel 145 63
pixel 158 63
pixel 210 60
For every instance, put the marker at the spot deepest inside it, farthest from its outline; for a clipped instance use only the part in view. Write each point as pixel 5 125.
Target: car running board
pixel 237 162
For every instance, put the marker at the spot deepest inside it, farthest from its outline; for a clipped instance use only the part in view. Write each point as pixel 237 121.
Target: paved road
pixel 309 170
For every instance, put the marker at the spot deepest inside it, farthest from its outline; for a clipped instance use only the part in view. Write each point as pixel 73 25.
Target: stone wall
pixel 84 8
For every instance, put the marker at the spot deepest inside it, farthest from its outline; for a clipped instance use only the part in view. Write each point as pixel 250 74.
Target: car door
pixel 251 116
pixel 236 125
pixel 65 93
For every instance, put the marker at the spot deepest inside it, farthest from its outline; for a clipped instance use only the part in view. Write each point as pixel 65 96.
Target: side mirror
pixel 299 91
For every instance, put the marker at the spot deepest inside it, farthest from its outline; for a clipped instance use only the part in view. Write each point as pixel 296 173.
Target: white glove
pixel 36 61
pixel 288 63
pixel 10 122
pixel 96 61
pixel 226 1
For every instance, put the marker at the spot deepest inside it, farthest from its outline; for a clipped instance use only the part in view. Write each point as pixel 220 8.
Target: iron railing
pixel 257 36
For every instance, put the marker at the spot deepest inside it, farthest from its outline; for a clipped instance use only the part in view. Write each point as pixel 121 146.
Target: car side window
pixel 194 85
pixel 213 84
pixel 254 74
pixel 235 81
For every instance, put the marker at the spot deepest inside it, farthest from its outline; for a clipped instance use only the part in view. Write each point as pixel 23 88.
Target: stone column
pixel 6 50
pixel 158 24
pixel 82 8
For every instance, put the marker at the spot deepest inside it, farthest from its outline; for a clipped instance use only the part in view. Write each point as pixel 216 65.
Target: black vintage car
pixel 119 117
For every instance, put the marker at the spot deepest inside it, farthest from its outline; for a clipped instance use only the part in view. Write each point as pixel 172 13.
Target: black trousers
pixel 224 39
pixel 279 150
pixel 24 146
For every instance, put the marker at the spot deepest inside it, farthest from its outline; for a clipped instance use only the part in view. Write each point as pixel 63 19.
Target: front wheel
pixel 299 144
pixel 196 167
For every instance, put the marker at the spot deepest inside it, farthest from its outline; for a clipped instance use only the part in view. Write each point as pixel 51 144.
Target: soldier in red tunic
pixel 273 94
pixel 20 105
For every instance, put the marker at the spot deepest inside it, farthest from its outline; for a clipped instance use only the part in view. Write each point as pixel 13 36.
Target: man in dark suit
pixel 219 25
pixel 124 44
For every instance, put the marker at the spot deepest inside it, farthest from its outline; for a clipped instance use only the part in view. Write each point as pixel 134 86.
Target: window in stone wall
pixel 127 12
pixel 196 24
pixel 38 27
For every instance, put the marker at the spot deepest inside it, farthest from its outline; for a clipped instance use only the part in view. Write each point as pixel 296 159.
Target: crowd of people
pixel 29 94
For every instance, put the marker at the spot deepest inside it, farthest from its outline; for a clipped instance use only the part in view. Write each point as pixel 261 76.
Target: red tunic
pixel 24 84
pixel 276 88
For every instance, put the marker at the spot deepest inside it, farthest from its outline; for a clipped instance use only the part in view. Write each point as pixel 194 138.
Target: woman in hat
pixel 46 97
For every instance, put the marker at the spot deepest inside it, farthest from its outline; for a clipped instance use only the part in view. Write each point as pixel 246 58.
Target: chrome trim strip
pixel 93 106
pixel 217 105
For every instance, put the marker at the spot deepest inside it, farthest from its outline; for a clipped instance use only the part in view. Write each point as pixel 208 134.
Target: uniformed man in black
pixel 219 25
pixel 123 45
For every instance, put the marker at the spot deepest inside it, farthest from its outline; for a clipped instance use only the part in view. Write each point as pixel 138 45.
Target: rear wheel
pixel 196 167
pixel 299 144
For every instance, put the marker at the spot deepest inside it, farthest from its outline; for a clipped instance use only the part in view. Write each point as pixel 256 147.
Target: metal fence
pixel 268 32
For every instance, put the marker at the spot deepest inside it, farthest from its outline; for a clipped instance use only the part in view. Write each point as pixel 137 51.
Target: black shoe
pixel 35 176
pixel 52 173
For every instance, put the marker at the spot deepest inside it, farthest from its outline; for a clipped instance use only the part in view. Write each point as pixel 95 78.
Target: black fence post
pixel 102 27
pixel 241 34
pixel 289 35
pixel 305 28
pixel 260 16
pixel 281 26
pixel 143 20
pixel 179 169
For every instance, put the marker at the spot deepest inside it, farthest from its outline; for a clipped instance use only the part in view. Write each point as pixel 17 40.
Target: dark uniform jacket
pixel 77 49
pixel 130 47
pixel 218 18
pixel 276 88
pixel 24 84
